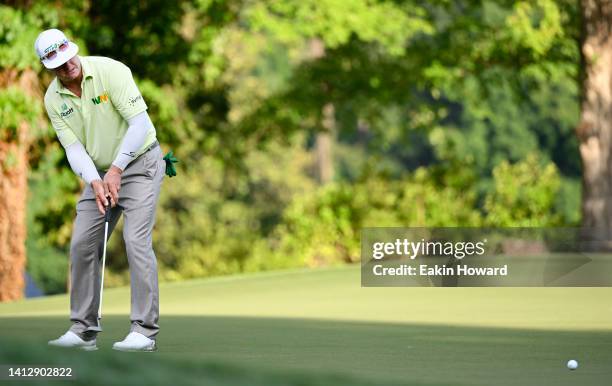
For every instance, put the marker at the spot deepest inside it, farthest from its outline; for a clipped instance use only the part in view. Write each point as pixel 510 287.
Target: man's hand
pixel 101 192
pixel 112 179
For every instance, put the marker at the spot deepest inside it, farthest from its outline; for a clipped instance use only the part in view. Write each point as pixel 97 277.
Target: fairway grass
pixel 311 327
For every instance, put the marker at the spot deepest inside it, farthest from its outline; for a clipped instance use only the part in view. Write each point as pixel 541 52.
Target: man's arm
pixel 81 162
pixel 133 140
pixel 83 166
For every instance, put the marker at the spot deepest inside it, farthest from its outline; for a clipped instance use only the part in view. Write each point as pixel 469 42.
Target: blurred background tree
pixel 300 122
pixel 20 120
pixel 595 125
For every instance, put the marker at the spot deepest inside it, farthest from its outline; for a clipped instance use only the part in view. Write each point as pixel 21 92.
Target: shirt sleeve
pixel 133 140
pixel 81 163
pixel 65 135
pixel 124 93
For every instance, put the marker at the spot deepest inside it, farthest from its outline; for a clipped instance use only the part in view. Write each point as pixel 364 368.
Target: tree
pixel 18 113
pixel 595 128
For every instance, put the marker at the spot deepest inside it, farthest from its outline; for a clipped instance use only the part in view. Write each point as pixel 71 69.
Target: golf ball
pixel 572 364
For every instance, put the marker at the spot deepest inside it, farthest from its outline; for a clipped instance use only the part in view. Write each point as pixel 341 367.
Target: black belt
pixel 151 147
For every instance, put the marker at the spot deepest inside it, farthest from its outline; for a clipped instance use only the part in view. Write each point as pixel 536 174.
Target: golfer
pixel 101 120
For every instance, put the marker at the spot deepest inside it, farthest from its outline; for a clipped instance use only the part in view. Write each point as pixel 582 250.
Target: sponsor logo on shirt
pixel 66 111
pixel 102 98
pixel 132 101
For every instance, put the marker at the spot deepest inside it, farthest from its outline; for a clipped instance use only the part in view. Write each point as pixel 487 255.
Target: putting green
pixel 320 327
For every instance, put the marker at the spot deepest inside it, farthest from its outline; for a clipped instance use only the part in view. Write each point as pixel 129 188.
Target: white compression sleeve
pixel 133 139
pixel 81 163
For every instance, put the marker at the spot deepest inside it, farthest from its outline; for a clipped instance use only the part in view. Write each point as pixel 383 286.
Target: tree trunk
pixel 13 195
pixel 324 145
pixel 13 185
pixel 325 139
pixel 595 128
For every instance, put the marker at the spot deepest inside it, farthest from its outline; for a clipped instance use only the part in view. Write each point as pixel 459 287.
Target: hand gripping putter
pixel 107 216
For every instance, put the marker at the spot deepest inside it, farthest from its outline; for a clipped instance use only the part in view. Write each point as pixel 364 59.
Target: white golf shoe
pixel 70 339
pixel 135 341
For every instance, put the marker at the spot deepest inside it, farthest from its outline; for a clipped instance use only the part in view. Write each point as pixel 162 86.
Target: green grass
pixel 321 328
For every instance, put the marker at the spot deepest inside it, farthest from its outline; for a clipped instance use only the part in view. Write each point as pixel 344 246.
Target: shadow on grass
pixel 215 350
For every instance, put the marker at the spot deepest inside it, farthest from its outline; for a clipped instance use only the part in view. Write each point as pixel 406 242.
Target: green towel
pixel 170 161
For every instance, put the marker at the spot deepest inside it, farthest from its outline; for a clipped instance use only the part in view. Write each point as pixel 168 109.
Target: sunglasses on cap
pixel 61 47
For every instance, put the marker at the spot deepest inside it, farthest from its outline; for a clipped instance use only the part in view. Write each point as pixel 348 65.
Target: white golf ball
pixel 572 364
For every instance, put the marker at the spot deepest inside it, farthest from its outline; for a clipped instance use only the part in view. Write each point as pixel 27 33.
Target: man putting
pixel 101 120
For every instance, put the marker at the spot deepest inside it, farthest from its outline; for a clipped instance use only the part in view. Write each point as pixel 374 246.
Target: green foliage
pixel 53 193
pixel 47 265
pixel 17 35
pixel 19 28
pixel 386 23
pixel 438 107
pixel 202 231
pixel 16 108
pixel 508 82
pixel 496 125
pixel 152 49
pixel 524 195
pixel 534 26
pixel 567 203
pixel 173 123
pixel 324 228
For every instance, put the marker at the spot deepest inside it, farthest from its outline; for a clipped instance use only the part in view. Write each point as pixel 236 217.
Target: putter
pixel 107 213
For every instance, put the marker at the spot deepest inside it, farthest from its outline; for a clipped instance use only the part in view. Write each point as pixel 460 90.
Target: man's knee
pixel 136 244
pixel 83 249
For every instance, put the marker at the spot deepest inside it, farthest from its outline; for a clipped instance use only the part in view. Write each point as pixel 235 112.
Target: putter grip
pixel 107 213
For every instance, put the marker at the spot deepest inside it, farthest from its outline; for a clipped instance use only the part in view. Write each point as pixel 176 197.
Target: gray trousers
pixel 140 184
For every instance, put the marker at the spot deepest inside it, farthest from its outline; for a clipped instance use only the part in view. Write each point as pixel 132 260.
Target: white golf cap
pixel 53 40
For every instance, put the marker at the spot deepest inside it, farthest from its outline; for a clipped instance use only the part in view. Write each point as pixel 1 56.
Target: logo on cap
pixel 54 49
